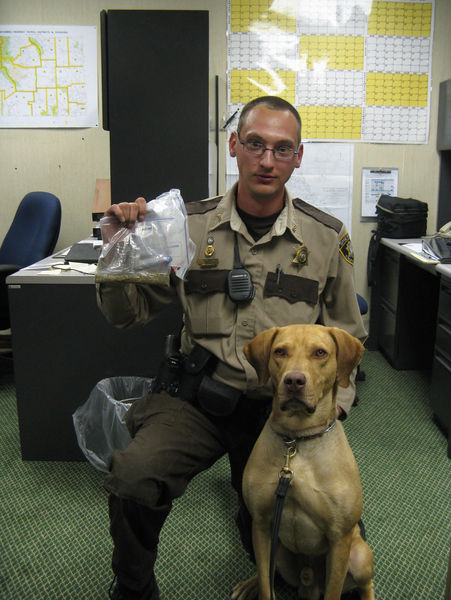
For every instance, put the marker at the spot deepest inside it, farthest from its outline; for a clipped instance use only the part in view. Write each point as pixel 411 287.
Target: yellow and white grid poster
pixel 357 70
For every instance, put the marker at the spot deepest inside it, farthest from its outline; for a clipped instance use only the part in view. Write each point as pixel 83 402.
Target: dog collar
pixel 303 438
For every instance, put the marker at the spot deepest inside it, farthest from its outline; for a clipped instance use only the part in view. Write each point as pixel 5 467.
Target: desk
pixel 410 320
pixel 404 305
pixel 62 346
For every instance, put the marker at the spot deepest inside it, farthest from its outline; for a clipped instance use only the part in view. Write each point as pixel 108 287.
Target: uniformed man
pixel 293 263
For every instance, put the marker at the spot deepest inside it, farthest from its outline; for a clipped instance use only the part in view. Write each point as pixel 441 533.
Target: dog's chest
pixel 321 495
pixel 316 501
pixel 306 504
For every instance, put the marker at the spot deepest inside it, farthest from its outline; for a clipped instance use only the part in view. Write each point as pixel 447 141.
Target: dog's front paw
pixel 246 590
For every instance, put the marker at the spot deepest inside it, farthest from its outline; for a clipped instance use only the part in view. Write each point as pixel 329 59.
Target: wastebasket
pixel 100 422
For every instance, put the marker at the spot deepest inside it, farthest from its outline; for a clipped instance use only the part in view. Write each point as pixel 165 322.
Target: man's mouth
pixel 263 178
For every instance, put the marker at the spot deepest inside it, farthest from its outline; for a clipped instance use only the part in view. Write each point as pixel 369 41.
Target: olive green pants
pixel 172 442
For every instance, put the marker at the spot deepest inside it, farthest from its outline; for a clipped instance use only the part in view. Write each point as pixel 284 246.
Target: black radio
pixel 241 288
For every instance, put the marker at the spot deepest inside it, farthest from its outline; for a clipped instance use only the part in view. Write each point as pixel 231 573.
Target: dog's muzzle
pixel 294 383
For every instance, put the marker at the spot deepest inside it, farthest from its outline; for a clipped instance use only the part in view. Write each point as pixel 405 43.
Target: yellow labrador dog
pixel 320 550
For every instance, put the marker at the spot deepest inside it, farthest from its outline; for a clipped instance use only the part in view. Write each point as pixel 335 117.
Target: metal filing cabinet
pixel 441 368
pixel 406 307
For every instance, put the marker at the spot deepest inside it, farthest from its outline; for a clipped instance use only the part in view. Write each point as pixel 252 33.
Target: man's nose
pixel 267 157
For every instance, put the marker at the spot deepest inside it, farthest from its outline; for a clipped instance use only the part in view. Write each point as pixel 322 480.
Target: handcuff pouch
pixel 216 398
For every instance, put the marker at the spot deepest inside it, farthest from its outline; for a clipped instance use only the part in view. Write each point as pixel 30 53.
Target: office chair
pixel 363 304
pixel 31 237
pixel 363 307
pixel 360 375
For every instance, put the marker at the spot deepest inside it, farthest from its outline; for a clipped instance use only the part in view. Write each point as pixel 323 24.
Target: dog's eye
pixel 320 353
pixel 280 352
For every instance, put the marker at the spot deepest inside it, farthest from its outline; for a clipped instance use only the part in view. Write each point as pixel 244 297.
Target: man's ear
pixel 233 139
pixel 299 156
pixel 258 351
pixel 349 354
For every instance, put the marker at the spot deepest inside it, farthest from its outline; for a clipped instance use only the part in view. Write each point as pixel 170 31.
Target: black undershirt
pixel 258 226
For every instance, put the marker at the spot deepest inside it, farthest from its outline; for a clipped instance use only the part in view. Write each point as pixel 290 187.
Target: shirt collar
pixel 287 220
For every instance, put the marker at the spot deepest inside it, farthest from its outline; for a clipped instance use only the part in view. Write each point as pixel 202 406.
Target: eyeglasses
pixel 284 153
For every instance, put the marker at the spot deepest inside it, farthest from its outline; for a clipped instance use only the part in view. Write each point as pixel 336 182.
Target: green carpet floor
pixel 54 541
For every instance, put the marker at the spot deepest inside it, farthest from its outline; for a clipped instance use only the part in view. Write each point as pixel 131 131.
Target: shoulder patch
pixel 202 206
pixel 318 215
pixel 345 248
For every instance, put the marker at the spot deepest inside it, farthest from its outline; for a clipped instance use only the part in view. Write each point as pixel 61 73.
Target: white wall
pixel 68 161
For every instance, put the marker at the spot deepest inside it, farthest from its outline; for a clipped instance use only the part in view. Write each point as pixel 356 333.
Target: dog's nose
pixel 294 381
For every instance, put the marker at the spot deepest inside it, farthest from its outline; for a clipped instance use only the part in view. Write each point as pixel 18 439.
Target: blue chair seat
pixel 363 304
pixel 31 237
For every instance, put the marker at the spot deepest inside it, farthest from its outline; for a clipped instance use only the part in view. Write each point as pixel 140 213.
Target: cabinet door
pixel 441 395
pixel 406 307
pixel 416 315
pixel 387 303
pixel 389 283
pixel 387 332
pixel 441 370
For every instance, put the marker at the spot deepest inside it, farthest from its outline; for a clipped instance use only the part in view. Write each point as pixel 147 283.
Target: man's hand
pixel 126 213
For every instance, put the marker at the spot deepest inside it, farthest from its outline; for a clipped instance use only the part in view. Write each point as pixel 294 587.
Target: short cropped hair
pixel 273 103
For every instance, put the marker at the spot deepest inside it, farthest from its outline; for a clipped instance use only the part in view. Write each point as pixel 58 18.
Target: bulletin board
pixel 357 70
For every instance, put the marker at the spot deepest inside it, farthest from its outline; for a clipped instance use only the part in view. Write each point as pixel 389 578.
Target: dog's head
pixel 304 362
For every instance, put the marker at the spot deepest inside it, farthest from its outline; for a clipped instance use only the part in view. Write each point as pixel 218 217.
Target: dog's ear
pixel 349 353
pixel 257 352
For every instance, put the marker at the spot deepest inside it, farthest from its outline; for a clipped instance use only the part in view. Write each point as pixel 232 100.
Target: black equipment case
pixel 401 217
pixel 396 218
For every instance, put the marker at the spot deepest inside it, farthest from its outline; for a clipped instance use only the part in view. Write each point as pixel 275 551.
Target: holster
pixel 188 376
pixel 194 367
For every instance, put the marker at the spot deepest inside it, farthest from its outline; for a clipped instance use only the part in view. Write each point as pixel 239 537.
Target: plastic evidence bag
pixel 148 251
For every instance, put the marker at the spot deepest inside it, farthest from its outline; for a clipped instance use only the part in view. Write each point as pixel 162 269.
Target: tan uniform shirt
pixel 286 292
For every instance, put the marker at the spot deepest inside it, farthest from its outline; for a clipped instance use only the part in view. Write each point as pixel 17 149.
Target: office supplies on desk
pixel 78 267
pixel 417 251
pixel 83 252
pixel 438 247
